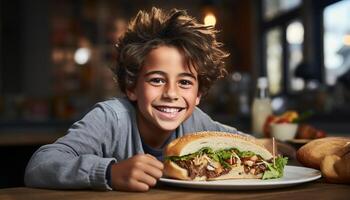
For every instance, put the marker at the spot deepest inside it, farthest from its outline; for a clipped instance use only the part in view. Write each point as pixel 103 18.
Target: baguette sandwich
pixel 219 155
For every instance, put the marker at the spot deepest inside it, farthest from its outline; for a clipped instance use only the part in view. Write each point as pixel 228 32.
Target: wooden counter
pixel 314 190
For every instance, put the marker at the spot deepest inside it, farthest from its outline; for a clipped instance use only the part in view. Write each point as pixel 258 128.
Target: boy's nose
pixel 170 92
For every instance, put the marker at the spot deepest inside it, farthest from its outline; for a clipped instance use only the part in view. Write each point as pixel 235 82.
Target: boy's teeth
pixel 169 110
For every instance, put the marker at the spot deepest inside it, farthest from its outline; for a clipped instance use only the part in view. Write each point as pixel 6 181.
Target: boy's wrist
pixel 108 173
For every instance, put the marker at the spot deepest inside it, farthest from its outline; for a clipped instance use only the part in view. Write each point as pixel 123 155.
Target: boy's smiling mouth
pixel 168 109
pixel 167 112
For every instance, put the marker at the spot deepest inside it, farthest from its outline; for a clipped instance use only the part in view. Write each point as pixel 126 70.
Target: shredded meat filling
pixel 214 174
pixel 198 171
pixel 253 165
pixel 250 164
pixel 193 170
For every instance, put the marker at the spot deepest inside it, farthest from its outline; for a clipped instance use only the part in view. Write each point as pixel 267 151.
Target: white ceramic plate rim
pixel 292 175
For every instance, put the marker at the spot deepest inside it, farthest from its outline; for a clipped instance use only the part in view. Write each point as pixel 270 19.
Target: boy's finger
pixel 149 155
pixel 137 186
pixel 147 179
pixel 153 171
pixel 154 162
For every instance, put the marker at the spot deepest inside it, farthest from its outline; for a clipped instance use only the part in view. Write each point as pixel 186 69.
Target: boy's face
pixel 166 90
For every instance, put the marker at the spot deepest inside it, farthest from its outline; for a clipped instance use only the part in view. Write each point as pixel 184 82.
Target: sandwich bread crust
pixel 217 141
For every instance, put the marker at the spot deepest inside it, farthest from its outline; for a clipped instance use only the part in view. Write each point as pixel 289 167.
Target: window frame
pixel 280 21
pixel 310 14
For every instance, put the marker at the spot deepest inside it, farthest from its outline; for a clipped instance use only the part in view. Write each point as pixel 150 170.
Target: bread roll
pixel 327 168
pixel 330 155
pixel 336 169
pixel 342 167
pixel 312 153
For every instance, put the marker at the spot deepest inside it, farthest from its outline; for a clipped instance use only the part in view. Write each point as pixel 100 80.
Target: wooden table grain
pixel 310 191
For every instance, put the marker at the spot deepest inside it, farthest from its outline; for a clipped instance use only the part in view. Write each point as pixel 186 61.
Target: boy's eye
pixel 157 81
pixel 185 83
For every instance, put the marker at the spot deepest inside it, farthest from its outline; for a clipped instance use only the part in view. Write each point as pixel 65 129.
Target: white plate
pixel 292 176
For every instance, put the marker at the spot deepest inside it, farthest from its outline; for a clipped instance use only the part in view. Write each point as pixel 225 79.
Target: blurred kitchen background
pixel 55 57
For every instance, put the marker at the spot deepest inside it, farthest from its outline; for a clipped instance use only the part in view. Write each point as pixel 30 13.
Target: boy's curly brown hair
pixel 148 31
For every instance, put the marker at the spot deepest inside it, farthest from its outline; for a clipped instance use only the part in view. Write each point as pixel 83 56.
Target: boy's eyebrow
pixel 164 74
pixel 188 74
pixel 155 72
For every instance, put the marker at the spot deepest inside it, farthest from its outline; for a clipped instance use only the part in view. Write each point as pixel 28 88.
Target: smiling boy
pixel 166 94
pixel 166 61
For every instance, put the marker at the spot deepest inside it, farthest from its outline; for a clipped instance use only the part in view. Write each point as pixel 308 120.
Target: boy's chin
pixel 168 127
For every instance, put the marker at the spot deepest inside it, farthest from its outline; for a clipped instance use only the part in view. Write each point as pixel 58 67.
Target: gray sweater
pixel 107 133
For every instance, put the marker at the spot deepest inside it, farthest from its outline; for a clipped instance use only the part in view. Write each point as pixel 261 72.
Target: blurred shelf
pixel 41 124
pixel 28 138
pixel 24 132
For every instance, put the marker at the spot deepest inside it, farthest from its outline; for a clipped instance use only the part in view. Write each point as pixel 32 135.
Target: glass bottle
pixel 261 107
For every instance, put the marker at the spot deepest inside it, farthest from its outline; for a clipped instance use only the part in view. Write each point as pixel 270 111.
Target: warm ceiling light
pixel 347 40
pixel 210 19
pixel 82 56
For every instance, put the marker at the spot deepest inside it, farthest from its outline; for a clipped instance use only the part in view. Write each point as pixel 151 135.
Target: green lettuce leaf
pixel 246 154
pixel 204 150
pixel 277 170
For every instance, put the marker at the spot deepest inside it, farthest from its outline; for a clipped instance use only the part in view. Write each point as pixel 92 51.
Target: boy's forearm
pixel 56 166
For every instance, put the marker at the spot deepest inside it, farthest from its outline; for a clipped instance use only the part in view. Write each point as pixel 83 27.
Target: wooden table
pixel 317 190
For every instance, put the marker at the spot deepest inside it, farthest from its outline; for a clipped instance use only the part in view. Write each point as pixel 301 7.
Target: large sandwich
pixel 219 155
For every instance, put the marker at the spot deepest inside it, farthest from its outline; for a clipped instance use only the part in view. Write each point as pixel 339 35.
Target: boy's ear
pixel 131 94
pixel 198 99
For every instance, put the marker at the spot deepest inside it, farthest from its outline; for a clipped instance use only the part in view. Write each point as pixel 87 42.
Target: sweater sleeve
pixel 79 159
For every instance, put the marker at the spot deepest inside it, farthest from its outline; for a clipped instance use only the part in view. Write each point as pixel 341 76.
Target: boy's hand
pixel 137 173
